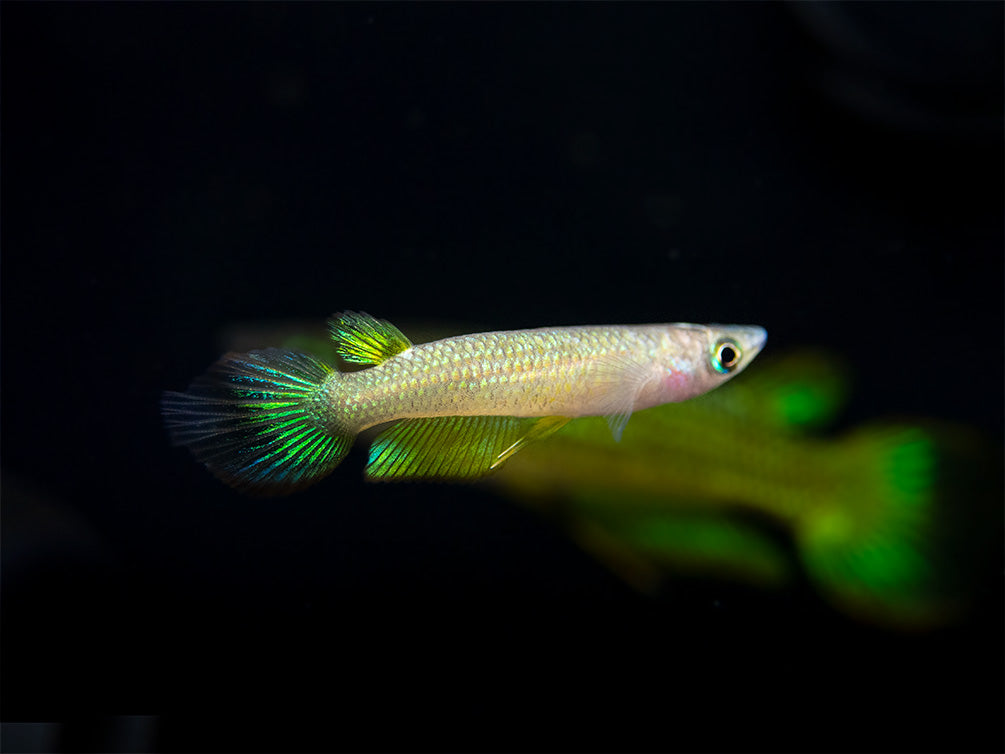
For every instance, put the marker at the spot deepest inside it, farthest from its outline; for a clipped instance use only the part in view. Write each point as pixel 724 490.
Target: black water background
pixel 168 170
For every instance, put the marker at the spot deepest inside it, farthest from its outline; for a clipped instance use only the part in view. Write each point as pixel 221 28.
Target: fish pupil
pixel 727 356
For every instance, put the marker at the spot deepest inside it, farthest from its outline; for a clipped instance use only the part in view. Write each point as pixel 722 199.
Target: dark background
pixel 833 173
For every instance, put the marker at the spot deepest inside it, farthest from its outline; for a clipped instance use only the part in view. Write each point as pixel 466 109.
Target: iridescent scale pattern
pixel 553 371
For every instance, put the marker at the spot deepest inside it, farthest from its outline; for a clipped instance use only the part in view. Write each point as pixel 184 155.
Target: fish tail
pixel 261 421
pixel 887 546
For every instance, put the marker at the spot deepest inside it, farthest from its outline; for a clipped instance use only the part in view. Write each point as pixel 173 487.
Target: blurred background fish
pixel 879 516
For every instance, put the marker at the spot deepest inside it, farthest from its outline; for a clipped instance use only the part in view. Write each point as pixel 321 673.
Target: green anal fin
pixel 453 447
pixel 539 428
pixel 362 339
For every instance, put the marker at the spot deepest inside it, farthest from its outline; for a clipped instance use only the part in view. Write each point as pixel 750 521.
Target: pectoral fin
pixel 618 381
pixel 453 447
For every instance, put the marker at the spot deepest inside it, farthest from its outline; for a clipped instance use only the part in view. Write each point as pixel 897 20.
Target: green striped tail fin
pixel 259 421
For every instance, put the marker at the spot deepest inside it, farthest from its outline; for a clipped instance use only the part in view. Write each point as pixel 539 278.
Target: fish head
pixel 702 357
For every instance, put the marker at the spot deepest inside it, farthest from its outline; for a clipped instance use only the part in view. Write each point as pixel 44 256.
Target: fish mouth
pixel 751 339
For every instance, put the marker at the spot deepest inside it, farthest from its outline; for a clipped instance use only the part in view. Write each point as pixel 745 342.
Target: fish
pixel 273 421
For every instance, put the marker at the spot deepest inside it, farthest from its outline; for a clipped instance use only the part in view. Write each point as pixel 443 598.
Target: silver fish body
pixel 564 371
pixel 272 421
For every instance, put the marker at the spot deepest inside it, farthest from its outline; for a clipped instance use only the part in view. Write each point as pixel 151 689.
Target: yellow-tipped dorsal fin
pixel 362 339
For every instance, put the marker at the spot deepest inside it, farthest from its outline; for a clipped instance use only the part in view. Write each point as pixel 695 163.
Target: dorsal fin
pixel 362 339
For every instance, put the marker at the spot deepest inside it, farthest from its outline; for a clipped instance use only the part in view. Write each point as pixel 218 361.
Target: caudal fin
pixel 259 421
pixel 893 545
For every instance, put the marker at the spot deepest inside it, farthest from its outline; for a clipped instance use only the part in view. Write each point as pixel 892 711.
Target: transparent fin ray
pixel 619 380
pixel 453 447
pixel 362 339
pixel 256 421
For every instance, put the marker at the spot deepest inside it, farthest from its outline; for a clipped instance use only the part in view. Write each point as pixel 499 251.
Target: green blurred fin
pixel 362 339
pixel 618 380
pixel 801 390
pixel 875 550
pixel 453 447
pixel 713 543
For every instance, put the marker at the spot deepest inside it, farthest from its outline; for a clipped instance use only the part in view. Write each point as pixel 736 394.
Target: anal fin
pixel 453 447
pixel 540 428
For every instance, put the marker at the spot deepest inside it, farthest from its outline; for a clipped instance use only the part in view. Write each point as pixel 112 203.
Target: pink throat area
pixel 676 385
pixel 670 386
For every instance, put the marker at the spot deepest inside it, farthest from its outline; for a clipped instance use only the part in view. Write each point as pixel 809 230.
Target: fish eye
pixel 726 355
